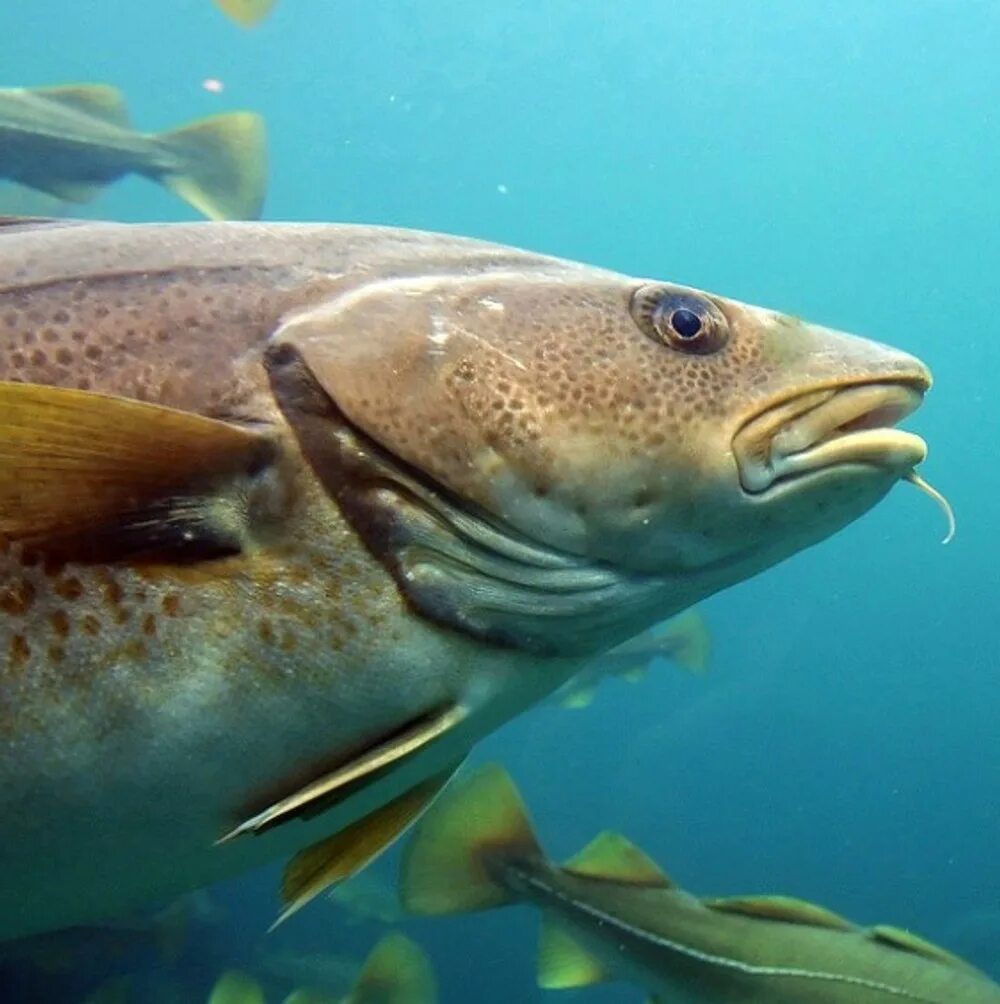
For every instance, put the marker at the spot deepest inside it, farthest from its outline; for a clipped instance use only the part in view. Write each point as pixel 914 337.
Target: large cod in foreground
pixel 292 515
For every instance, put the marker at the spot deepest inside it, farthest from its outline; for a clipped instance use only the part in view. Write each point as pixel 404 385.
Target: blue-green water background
pixel 837 161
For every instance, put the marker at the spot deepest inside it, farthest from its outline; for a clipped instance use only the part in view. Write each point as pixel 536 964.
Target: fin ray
pixel 781 908
pixel 396 972
pixel 222 165
pixel 99 101
pixel 345 853
pixel 563 962
pixel 83 474
pixel 446 865
pixel 615 858
pixel 326 791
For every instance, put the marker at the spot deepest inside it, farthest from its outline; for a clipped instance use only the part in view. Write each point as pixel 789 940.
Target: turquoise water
pixel 836 161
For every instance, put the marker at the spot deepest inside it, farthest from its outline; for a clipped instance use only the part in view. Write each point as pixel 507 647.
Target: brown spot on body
pixel 17 597
pixel 90 625
pixel 70 588
pixel 149 625
pixel 171 604
pixel 20 651
pixel 60 622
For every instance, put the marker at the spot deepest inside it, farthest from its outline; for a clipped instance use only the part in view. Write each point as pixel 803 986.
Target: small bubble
pixel 502 189
pixel 213 85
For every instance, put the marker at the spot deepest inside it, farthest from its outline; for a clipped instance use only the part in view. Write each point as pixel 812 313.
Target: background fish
pixel 610 913
pixel 294 514
pixel 683 640
pixel 72 141
pixel 396 972
pixel 246 12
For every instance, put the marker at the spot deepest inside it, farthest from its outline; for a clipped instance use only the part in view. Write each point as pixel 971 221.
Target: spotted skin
pixel 543 451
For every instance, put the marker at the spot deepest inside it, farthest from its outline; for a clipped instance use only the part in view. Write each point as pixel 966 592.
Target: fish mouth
pixel 830 428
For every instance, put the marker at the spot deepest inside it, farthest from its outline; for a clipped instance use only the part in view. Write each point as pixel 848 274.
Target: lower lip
pixel 853 427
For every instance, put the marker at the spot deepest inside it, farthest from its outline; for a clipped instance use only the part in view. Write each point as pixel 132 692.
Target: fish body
pixel 72 141
pixel 293 514
pixel 610 913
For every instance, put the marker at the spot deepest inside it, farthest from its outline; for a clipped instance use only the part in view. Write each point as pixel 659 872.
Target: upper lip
pixel 828 426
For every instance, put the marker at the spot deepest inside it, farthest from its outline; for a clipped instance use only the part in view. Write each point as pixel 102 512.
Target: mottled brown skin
pixel 486 470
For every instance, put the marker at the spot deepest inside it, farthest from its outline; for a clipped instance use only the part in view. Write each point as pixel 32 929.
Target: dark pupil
pixel 685 322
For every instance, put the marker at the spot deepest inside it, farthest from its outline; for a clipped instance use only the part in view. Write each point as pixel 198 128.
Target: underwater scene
pixel 476 523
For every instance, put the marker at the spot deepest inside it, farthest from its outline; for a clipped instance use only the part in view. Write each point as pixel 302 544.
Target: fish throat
pixel 454 563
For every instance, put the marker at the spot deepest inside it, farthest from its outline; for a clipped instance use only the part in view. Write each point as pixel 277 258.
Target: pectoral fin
pixel 93 477
pixel 331 788
pixel 338 857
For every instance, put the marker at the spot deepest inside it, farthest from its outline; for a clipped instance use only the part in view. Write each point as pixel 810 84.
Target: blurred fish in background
pixel 610 913
pixel 246 12
pixel 683 640
pixel 71 141
pixel 397 971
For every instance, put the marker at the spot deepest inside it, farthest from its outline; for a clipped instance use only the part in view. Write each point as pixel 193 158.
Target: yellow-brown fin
pixel 907 941
pixel 578 696
pixel 685 640
pixel 94 477
pixel 396 972
pixel 234 987
pixel 446 864
pixel 340 856
pixel 635 674
pixel 246 12
pixel 221 167
pixel 563 962
pixel 611 856
pixel 99 101
pixel 328 790
pixel 783 908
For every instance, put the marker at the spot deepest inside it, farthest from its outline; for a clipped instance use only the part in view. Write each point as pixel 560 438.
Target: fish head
pixel 586 452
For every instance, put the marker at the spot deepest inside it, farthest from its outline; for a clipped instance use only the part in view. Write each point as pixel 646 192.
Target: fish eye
pixel 681 320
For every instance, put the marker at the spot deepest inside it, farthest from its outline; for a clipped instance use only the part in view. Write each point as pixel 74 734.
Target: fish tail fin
pixel 450 864
pixel 396 972
pixel 221 165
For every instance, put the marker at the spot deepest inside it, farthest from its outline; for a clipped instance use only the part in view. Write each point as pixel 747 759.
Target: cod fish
pixel 396 972
pixel 610 913
pixel 70 142
pixel 293 514
pixel 683 640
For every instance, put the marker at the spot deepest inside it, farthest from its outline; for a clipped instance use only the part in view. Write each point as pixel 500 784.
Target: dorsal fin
pixel 100 101
pixel 614 857
pixel 783 908
pixel 907 941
